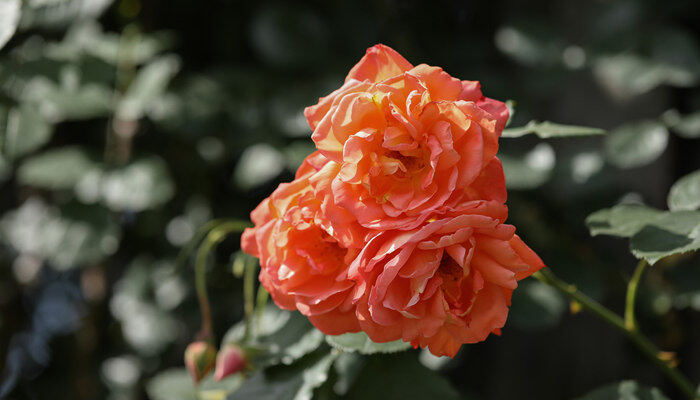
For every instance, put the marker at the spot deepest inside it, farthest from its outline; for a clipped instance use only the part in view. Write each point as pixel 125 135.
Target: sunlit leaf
pixel 399 376
pixel 147 87
pixel 142 184
pixel 548 129
pixel 625 390
pixel 636 144
pixel 73 236
pixel 295 382
pixel 258 164
pixel 60 13
pixel 623 220
pixel 60 168
pixel 685 193
pixel 9 18
pixel 671 233
pixel 530 170
pixel 22 130
pixel 686 126
pixel 627 75
pixel 139 304
pixel 653 234
pixel 362 344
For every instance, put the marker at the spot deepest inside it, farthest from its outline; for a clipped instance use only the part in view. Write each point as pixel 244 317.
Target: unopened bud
pixel 230 360
pixel 200 358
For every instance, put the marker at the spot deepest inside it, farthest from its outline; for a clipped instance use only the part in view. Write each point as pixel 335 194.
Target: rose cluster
pixel 396 225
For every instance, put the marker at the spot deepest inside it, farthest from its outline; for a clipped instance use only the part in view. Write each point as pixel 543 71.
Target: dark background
pixel 101 321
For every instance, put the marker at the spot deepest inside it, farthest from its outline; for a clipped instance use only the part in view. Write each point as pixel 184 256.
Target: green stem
pixel 260 304
pixel 639 340
pixel 248 296
pixel 213 238
pixel 630 320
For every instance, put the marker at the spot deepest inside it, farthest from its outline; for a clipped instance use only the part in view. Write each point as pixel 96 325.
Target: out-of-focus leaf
pixel 548 129
pixel 140 185
pixel 536 306
pixel 685 193
pixel 347 367
pixel 282 336
pixel 258 164
pixel 362 344
pixel 88 38
pixel 146 326
pixel 399 376
pixel 9 18
pixel 530 170
pixel 636 144
pixel 68 98
pixel 686 126
pixel 147 87
pixel 60 168
pixel 627 75
pixel 625 390
pixel 49 14
pixel 295 382
pixel 74 236
pixel 653 234
pixel 529 45
pixel 176 384
pixel 22 130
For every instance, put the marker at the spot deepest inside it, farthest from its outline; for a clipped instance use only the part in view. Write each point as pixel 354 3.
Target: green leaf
pixel 530 170
pixel 627 75
pixel 548 129
pixel 147 87
pixel 671 233
pixel 140 185
pixel 22 130
pixel 282 336
pixel 60 168
pixel 362 344
pixel 176 384
pixel 295 382
pixel 686 126
pixel 73 236
pixel 399 376
pixel 50 14
pixel 623 220
pixel 9 18
pixel 258 164
pixel 636 144
pixel 536 306
pixel 653 234
pixel 685 193
pixel 625 390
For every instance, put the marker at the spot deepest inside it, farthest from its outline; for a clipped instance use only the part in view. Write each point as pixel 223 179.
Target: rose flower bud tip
pixel 200 358
pixel 230 360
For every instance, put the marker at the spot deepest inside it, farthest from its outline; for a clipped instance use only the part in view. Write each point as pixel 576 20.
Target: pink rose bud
pixel 200 358
pixel 230 360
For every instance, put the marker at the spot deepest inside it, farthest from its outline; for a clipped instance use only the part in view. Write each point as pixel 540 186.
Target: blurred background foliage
pixel 125 125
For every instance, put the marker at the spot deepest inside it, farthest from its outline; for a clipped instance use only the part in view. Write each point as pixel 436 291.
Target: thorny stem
pixel 215 236
pixel 630 320
pixel 639 340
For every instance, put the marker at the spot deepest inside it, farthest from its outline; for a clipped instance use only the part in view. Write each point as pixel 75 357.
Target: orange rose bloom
pixel 407 140
pixel 395 226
